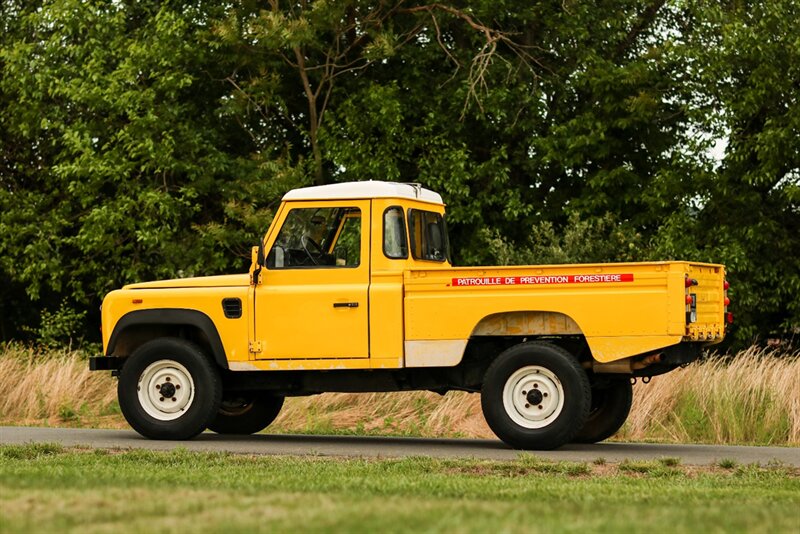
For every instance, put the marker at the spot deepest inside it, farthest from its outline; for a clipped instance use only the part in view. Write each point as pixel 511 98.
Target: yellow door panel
pixel 313 300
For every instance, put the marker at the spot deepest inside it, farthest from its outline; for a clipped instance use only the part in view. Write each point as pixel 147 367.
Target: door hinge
pixel 255 346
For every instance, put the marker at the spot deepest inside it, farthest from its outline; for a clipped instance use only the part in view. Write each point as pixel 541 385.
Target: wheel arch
pixel 527 323
pixel 498 331
pixel 493 334
pixel 137 327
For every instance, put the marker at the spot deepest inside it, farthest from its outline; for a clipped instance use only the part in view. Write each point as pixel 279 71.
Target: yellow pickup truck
pixel 352 290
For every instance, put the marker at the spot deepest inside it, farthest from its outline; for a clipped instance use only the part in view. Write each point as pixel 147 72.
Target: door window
pixel 318 238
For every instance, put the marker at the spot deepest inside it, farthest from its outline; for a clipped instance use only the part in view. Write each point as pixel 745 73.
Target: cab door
pixel 313 299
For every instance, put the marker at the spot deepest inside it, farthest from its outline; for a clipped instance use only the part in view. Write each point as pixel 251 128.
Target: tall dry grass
pixel 751 398
pixel 414 413
pixel 54 388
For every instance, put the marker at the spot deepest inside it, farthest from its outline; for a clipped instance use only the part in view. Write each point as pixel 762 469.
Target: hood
pixel 225 280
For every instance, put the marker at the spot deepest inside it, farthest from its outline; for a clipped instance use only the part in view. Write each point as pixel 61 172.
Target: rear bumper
pixel 105 363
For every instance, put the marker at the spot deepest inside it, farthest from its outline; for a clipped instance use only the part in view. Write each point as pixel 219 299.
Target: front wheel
pixel 246 413
pixel 535 395
pixel 169 389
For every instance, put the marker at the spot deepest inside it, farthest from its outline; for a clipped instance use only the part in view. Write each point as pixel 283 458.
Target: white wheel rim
pixel 165 390
pixel 533 397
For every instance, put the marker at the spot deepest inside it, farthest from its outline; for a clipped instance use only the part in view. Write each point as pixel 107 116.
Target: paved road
pixel 396 447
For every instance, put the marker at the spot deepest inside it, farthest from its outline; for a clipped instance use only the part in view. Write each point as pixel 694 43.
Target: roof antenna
pixel 417 187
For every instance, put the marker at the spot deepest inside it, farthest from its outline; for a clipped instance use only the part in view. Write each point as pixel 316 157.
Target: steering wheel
pixel 306 241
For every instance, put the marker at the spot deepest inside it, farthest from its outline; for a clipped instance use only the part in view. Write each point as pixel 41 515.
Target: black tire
pixel 543 367
pixel 246 413
pixel 611 404
pixel 196 389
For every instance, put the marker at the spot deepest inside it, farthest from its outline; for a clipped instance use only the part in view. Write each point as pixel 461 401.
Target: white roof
pixel 370 189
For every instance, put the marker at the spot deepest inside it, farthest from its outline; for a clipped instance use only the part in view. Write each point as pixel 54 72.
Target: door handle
pixel 345 304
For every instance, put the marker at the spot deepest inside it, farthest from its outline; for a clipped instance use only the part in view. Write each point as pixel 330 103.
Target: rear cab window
pixel 428 235
pixel 395 241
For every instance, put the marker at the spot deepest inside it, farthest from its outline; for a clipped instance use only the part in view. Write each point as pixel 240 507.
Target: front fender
pixel 171 317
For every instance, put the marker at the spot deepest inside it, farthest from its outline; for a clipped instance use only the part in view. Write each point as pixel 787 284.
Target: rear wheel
pixel 535 395
pixel 611 404
pixel 169 389
pixel 246 413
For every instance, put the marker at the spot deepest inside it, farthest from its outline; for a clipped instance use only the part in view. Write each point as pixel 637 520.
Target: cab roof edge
pixel 365 190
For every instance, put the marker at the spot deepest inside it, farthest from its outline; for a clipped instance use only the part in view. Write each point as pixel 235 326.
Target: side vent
pixel 232 308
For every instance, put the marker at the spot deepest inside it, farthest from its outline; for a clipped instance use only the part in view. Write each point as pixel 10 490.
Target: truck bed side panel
pixel 621 309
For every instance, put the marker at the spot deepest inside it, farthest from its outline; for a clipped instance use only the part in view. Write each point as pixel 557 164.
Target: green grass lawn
pixel 45 488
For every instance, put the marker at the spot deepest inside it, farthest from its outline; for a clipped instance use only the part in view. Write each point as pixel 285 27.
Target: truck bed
pixel 622 309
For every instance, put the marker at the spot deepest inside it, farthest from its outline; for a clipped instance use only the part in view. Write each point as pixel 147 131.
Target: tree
pixel 593 128
pixel 154 139
pixel 327 45
pixel 747 213
pixel 121 160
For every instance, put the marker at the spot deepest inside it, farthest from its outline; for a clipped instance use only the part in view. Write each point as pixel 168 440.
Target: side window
pixel 428 236
pixel 395 243
pixel 347 244
pixel 318 238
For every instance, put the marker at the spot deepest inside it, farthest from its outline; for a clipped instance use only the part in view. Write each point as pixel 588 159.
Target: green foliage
pixel 67 413
pixel 727 463
pixel 596 241
pixel 154 139
pixel 57 328
pixel 748 209
pixel 120 161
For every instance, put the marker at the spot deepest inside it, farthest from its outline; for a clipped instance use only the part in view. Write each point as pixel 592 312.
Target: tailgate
pixel 706 309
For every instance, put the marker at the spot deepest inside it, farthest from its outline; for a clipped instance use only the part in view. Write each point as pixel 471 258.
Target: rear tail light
pixel 727 301
pixel 691 308
pixel 690 300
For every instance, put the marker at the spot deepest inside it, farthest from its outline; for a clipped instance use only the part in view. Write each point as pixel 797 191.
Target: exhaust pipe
pixel 626 366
